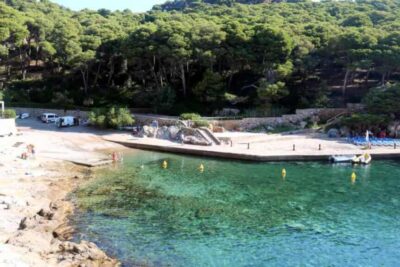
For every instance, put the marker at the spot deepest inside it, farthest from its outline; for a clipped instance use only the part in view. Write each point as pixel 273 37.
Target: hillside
pixel 202 56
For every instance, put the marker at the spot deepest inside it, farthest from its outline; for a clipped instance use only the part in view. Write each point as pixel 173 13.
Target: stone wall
pixel 299 116
pixel 7 126
pixel 246 123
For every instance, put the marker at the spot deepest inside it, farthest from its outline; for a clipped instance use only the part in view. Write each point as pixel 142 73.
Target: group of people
pixel 30 152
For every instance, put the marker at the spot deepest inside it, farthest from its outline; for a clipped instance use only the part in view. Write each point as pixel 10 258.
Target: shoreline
pixel 261 148
pixel 35 227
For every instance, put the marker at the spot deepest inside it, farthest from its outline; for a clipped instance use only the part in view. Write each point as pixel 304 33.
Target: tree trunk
pixel 183 78
pixel 96 78
pixel 111 72
pixel 346 78
pixel 85 83
pixel 230 80
pixel 383 81
pixel 367 77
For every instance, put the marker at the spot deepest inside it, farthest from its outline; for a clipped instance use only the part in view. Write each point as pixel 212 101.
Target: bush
pixel 190 116
pixel 9 114
pixel 201 123
pixel 362 122
pixel 111 118
pixel 384 100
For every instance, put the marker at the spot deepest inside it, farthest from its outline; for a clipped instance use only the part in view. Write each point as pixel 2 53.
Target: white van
pixel 48 117
pixel 67 121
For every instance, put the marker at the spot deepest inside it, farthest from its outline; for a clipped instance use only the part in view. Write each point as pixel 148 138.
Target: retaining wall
pixel 34 112
pixel 245 123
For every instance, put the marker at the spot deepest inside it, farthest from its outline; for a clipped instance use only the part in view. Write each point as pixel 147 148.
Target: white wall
pixel 7 126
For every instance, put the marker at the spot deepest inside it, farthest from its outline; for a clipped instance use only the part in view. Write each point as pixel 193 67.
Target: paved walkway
pixel 261 147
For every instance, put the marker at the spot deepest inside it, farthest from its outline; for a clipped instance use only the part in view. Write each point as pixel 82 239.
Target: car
pixel 49 117
pixel 67 121
pixel 23 116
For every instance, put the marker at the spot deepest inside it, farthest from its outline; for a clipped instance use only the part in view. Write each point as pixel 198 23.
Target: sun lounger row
pixel 361 141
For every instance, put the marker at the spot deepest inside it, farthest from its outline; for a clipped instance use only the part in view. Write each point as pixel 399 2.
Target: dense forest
pixel 199 55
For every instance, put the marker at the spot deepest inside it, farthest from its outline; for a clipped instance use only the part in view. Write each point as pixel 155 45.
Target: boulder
pixel 333 133
pixel 147 131
pixel 173 132
pixel 163 133
pixel 193 140
pixel 303 124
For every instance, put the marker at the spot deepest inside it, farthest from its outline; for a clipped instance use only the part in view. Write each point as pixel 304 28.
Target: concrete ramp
pixel 209 136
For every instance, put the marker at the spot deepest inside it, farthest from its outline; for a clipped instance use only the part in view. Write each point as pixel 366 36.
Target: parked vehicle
pixel 49 117
pixel 67 121
pixel 23 116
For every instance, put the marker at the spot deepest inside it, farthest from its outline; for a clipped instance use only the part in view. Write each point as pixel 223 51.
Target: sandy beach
pixel 34 204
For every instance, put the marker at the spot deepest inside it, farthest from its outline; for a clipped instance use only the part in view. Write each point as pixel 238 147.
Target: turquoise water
pixel 243 214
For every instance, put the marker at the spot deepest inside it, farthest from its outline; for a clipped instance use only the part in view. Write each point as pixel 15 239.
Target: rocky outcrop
pixel 86 254
pixel 193 140
pixel 47 233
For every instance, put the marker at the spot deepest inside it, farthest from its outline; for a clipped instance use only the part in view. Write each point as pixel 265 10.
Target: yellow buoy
pixel 284 173
pixel 164 164
pixel 201 168
pixel 353 177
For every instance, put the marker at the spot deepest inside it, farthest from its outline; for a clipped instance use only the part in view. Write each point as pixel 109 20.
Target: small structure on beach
pixel 7 126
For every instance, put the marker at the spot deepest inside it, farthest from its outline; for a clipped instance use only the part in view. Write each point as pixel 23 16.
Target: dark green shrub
pixel 201 123
pixel 363 122
pixel 9 114
pixel 111 118
pixel 384 100
pixel 190 116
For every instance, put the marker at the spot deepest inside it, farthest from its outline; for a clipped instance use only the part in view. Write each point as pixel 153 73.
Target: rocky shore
pixel 34 199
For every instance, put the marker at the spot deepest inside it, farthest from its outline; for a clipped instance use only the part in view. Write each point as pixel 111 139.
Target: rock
pixel 303 124
pixel 163 133
pixel 46 214
pixel 28 222
pixel 173 132
pixel 63 232
pixel 193 140
pixel 333 133
pixel 87 253
pixel 147 131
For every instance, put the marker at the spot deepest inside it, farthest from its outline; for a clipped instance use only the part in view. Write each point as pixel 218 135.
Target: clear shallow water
pixel 243 214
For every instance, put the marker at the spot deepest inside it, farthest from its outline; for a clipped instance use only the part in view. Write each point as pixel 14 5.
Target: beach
pixel 34 203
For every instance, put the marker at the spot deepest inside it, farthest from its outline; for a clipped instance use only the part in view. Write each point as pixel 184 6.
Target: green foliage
pixel 384 101
pixel 201 123
pixel 9 114
pixel 198 54
pixel 111 118
pixel 190 116
pixel 362 122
